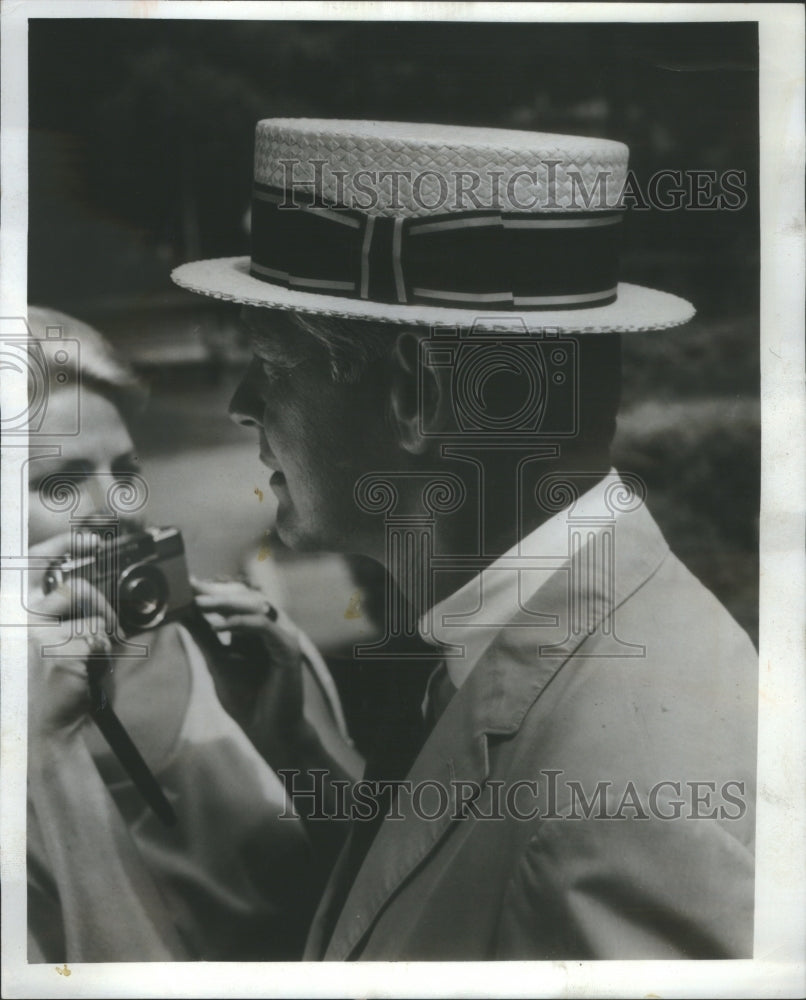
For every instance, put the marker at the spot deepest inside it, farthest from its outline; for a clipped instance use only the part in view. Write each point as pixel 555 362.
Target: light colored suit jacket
pixel 630 881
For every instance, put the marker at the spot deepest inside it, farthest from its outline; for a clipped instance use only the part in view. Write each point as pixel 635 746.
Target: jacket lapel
pixel 515 668
pixel 324 918
pixel 452 751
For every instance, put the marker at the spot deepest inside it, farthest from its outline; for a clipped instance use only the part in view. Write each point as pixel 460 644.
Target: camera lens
pixel 142 598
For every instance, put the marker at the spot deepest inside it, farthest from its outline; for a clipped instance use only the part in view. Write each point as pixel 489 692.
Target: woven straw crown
pixel 513 168
pixel 425 224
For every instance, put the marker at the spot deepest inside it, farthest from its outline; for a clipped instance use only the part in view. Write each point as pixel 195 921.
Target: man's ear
pixel 419 393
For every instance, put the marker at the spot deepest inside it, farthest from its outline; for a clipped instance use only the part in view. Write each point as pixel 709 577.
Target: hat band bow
pixel 487 259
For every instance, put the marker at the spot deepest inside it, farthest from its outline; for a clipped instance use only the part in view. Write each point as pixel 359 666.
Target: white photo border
pixel 778 969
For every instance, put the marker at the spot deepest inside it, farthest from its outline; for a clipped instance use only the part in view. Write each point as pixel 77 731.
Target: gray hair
pixel 349 346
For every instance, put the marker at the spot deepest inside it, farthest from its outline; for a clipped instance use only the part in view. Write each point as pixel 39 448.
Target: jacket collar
pixel 510 675
pixel 467 621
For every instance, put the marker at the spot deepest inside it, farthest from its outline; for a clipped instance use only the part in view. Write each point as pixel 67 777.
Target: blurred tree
pixel 170 136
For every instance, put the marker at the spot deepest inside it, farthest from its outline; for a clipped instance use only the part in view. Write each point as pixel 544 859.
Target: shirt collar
pixel 472 616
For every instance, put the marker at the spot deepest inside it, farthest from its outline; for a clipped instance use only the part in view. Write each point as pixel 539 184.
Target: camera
pixel 47 365
pixel 504 385
pixel 142 574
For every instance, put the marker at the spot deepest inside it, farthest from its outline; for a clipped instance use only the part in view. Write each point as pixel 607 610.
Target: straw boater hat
pixel 432 224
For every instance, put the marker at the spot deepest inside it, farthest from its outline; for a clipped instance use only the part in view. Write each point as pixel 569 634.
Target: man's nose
pixel 245 407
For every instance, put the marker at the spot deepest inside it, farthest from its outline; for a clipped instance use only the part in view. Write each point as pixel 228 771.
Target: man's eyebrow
pixel 273 355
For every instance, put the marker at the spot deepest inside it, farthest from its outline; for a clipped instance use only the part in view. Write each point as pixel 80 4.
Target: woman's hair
pixel 95 365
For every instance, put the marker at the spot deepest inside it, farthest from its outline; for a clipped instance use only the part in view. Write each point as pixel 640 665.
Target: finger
pixel 63 601
pixel 274 635
pixel 46 653
pixel 60 674
pixel 74 667
pixel 76 599
pixel 214 620
pixel 247 600
pixel 56 602
pixel 250 602
pixel 241 622
pixel 92 602
pixel 63 544
pixel 85 640
pixel 218 586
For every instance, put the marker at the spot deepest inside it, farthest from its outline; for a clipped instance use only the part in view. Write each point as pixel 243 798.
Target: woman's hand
pixel 261 669
pixel 59 656
pixel 268 702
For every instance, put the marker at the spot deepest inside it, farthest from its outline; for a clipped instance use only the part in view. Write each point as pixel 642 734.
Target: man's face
pixel 316 437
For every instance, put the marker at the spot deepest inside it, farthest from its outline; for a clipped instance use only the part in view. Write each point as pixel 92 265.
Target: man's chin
pixel 295 535
pixel 287 528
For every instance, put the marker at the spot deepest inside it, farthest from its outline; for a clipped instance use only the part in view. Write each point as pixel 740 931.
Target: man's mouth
pixel 277 479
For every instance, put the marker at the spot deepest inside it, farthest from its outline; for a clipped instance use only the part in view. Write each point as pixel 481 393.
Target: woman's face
pixel 101 451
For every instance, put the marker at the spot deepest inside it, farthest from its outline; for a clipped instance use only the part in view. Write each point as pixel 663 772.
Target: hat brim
pixel 636 308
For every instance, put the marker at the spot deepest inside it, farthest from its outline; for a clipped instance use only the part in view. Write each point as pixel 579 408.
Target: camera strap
pixel 104 717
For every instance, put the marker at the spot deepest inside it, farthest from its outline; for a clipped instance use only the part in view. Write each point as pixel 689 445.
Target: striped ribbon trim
pixel 543 260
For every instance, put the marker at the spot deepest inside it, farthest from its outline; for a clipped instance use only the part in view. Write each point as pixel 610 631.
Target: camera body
pixel 504 385
pixel 143 575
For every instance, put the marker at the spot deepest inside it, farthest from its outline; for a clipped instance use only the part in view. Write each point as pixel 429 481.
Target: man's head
pixel 335 399
pixel 347 278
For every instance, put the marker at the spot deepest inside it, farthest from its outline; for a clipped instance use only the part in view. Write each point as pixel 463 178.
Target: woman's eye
pixel 76 472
